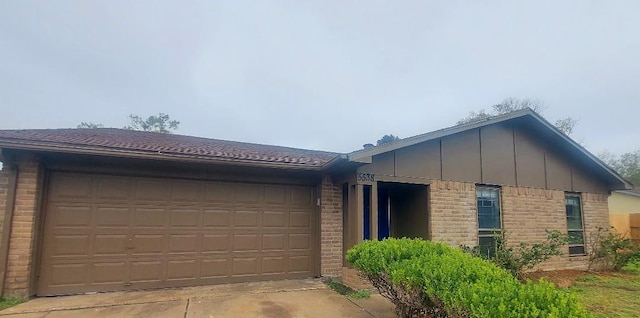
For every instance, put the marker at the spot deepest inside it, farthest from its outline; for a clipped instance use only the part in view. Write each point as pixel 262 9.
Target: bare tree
pixel 512 104
pixel 161 123
pixel 89 125
pixel 387 139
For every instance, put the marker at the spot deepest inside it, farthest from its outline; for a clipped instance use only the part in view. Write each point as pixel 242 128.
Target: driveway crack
pixel 186 309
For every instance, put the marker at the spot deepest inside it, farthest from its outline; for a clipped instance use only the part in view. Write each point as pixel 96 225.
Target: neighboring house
pixel 624 213
pixel 90 210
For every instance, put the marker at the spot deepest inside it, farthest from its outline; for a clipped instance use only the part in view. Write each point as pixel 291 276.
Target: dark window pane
pixel 487 246
pixel 576 237
pixel 574 223
pixel 576 250
pixel 488 200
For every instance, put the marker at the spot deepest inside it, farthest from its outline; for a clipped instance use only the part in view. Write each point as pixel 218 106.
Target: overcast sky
pixel 329 75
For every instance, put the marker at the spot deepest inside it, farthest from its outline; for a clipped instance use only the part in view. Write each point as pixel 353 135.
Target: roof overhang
pixel 161 156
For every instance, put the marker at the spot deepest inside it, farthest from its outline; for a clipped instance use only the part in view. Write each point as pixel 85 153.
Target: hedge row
pixel 424 278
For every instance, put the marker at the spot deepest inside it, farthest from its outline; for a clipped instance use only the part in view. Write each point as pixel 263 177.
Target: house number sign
pixel 366 177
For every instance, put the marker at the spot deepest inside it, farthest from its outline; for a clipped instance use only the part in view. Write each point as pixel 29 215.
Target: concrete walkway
pixel 290 298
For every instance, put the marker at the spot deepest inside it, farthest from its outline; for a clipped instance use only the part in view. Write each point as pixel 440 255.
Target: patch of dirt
pixel 562 278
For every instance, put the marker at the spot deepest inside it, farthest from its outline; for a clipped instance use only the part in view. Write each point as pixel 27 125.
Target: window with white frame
pixel 489 220
pixel 575 228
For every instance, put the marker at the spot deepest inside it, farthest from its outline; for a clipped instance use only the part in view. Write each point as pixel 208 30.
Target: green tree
pixel 161 123
pixel 513 104
pixel 387 139
pixel 627 164
pixel 89 125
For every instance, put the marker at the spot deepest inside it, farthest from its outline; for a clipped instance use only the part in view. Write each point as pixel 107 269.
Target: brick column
pixel 596 214
pixel 330 228
pixel 20 264
pixel 4 183
pixel 452 214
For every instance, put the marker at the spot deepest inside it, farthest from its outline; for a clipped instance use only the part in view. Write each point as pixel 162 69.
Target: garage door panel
pixel 114 189
pixel 299 219
pixel 249 193
pixel 245 218
pixel 245 242
pixel 112 217
pixel 301 241
pixel 274 265
pixel 274 219
pixel 153 190
pixel 275 195
pixel 72 216
pixel 215 268
pixel 146 271
pixel 68 275
pixel 299 264
pixel 301 196
pixel 216 192
pixel 149 217
pixel 274 242
pixel 170 233
pixel 144 244
pixel 70 245
pixel 184 243
pixel 182 269
pixel 217 218
pixel 186 192
pixel 110 244
pixel 245 266
pixel 181 217
pixel 216 243
pixel 71 186
pixel 109 273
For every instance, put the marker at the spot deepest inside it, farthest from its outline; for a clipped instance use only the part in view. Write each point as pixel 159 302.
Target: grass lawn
pixel 9 302
pixel 609 295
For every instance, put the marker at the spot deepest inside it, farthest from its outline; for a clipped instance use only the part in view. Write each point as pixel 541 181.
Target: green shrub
pixel 526 256
pixel 424 278
pixel 610 250
pixel 633 266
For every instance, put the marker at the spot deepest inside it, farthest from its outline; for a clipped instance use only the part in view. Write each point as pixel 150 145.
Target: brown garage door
pixel 106 233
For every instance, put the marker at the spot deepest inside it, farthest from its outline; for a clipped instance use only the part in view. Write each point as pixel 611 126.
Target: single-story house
pixel 91 210
pixel 624 213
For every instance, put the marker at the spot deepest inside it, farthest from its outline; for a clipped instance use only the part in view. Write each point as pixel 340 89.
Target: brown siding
pixel 382 164
pixel 498 162
pixel 530 168
pixel 558 172
pixel 461 157
pixel 421 160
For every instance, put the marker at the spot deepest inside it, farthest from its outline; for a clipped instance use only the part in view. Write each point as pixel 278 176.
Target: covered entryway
pixel 108 233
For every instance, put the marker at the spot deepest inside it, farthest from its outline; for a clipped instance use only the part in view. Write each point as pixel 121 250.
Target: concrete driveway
pixel 282 299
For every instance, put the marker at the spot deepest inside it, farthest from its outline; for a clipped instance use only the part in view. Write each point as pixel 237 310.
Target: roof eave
pixel 111 152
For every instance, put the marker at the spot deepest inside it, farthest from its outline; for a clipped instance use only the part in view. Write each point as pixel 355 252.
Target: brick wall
pixel 596 214
pixel 452 213
pixel 20 264
pixel 4 183
pixel 330 228
pixel 526 214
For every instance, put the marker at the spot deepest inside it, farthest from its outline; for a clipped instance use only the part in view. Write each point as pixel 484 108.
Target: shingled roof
pixel 121 142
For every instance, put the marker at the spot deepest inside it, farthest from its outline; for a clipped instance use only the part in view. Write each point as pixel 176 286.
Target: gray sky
pixel 329 75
